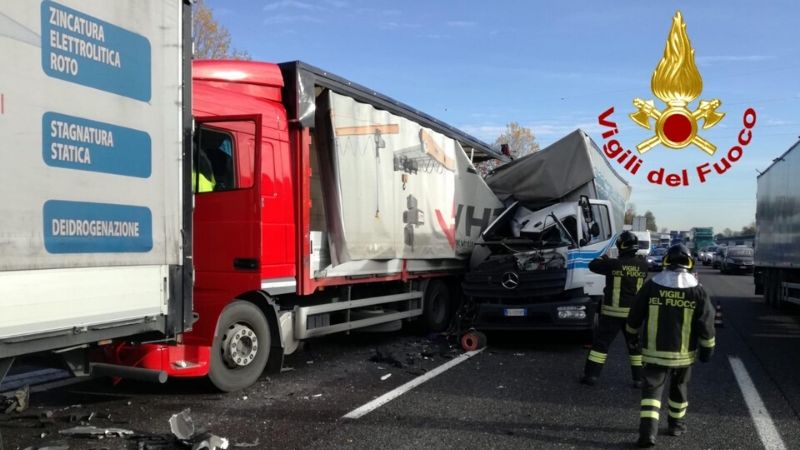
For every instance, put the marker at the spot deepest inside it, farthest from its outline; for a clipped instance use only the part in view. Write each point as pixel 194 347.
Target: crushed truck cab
pixel 530 269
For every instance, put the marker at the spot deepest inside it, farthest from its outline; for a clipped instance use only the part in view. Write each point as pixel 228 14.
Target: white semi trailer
pixel 777 242
pixel 95 230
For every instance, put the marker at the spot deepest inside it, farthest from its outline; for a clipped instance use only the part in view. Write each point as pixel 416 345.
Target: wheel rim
pixel 239 346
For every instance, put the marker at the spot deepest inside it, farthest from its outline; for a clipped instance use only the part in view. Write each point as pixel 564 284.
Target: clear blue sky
pixel 554 66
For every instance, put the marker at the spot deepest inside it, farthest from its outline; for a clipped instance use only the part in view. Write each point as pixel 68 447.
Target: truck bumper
pixel 176 360
pixel 574 314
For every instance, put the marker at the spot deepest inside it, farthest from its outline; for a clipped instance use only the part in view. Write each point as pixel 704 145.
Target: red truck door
pixel 226 239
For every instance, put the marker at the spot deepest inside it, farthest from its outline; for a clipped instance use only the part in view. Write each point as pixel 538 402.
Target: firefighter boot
pixel 591 372
pixel 636 373
pixel 676 427
pixel 648 428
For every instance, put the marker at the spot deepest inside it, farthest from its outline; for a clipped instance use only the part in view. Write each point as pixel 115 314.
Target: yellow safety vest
pixel 203 184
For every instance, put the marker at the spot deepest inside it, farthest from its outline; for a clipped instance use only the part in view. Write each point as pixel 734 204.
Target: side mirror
pixel 586 208
pixel 595 229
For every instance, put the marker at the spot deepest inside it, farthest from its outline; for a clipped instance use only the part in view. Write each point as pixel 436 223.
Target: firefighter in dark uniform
pixel 677 322
pixel 624 277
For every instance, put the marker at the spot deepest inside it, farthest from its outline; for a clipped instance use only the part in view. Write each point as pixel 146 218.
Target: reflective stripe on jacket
pixel 674 320
pixel 624 277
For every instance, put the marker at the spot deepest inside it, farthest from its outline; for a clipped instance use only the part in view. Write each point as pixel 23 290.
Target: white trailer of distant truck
pixel 777 242
pixel 94 231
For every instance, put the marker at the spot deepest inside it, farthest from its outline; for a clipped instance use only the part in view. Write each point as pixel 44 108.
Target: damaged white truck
pixel 565 206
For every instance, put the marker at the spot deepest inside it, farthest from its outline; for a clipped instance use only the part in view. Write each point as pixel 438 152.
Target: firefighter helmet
pixel 678 257
pixel 627 242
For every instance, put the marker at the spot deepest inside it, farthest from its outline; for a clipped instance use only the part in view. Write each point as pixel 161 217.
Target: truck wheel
pixel 241 347
pixel 777 288
pixel 436 307
pixel 767 290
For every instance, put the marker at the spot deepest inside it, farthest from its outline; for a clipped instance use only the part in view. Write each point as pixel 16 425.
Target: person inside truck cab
pixel 213 169
pixel 202 174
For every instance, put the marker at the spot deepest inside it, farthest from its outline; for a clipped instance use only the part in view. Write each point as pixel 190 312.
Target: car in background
pixel 707 255
pixel 716 260
pixel 737 259
pixel 656 259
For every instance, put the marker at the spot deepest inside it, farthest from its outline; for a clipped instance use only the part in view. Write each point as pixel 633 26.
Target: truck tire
pixel 767 288
pixel 241 347
pixel 436 307
pixel 777 288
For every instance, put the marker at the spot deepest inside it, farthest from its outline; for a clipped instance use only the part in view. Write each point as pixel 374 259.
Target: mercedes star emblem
pixel 510 280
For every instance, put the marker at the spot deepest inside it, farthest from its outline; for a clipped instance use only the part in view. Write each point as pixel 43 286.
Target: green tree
pixel 211 39
pixel 650 221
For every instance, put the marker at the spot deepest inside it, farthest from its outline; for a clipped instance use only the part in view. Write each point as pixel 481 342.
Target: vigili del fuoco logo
pixel 677 83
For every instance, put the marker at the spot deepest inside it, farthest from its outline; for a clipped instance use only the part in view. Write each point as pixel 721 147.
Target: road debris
pixel 317 395
pixel 386 377
pixel 96 432
pixel 209 441
pixel 18 402
pixel 26 420
pixel 247 444
pixel 181 425
pixel 58 445
pixel 384 356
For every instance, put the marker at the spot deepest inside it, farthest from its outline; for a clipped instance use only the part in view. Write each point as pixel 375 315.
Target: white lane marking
pixel 400 390
pixel 764 425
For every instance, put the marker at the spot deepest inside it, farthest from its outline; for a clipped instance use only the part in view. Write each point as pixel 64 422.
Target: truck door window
pixel 219 163
pixel 571 224
pixel 602 219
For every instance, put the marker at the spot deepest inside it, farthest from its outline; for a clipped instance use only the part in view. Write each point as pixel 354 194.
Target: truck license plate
pixel 515 312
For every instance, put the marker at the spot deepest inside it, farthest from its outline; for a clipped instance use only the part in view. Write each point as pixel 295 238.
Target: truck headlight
pixel 572 312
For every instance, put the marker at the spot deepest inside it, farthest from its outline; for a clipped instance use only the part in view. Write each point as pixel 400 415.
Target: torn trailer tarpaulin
pixel 566 169
pixel 301 84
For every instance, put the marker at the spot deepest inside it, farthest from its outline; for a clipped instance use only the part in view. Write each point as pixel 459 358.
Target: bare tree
pixel 516 141
pixel 211 39
pixel 749 229
pixel 520 140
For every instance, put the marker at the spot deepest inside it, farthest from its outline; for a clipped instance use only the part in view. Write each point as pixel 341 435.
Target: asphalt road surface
pixel 521 392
